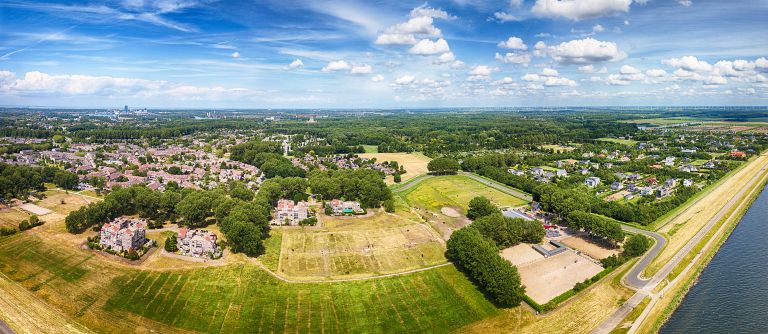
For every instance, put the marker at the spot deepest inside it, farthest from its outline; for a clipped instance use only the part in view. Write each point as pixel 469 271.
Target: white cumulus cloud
pixel 429 47
pixel 295 64
pixel 404 80
pixel 585 51
pixel 337 65
pixel 579 9
pixel 514 43
pixel 513 58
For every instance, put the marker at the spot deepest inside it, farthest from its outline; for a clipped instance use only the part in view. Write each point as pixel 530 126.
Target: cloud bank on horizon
pixel 313 54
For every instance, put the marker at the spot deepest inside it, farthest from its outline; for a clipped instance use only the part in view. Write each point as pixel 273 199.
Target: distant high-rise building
pixel 126 108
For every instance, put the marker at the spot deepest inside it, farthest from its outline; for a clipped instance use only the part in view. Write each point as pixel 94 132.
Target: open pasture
pixel 415 164
pixel 358 247
pixel 62 202
pixel 456 191
pixel 237 298
pixel 443 201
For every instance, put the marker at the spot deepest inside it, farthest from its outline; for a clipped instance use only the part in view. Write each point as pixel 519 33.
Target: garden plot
pixel 355 250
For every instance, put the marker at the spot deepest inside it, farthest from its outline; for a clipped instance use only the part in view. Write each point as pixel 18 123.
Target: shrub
pixel 24 225
pixel 4 231
pixel 389 205
pixel 170 244
pixel 311 221
pixel 480 207
pixel 132 255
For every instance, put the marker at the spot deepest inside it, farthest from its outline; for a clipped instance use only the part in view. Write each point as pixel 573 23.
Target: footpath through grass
pixel 236 298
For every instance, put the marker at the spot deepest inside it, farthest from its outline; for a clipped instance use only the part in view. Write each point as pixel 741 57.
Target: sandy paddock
pixel 548 278
pixel 521 254
pixel 451 211
pixel 593 250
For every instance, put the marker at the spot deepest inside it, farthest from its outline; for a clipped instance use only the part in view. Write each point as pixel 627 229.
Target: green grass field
pixel 455 191
pixel 235 298
pixel 371 148
pixel 627 142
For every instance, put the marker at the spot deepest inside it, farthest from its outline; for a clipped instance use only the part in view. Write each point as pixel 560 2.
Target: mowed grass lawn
pixel 108 297
pixel 455 191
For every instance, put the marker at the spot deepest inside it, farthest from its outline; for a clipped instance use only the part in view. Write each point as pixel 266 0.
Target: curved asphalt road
pixel 633 277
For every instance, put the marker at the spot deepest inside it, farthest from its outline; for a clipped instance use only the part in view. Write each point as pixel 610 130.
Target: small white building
pixel 592 181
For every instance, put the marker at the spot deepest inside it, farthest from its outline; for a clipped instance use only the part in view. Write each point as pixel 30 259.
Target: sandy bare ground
pixel 548 278
pixel 34 209
pixel 450 212
pixel 617 196
pixel 589 248
pixel 521 254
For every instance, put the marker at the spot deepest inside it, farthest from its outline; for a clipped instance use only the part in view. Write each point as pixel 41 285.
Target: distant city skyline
pixel 379 54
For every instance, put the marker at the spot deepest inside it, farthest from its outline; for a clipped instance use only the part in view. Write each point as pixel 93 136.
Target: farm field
pixel 108 297
pixel 685 225
pixel 415 164
pixel 347 247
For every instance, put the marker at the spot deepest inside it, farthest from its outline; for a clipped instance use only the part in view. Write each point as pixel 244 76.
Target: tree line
pixel 16 181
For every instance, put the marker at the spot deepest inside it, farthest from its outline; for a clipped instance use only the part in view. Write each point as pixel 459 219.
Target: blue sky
pixel 383 54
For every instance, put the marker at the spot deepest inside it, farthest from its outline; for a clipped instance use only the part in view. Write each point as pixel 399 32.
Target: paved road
pixel 5 329
pixel 412 182
pixel 499 186
pixel 633 277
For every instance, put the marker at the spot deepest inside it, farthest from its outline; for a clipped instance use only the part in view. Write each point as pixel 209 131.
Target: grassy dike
pixel 663 309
